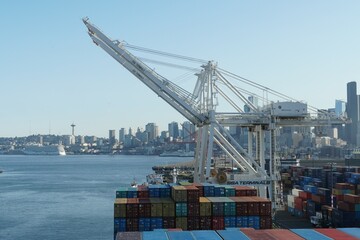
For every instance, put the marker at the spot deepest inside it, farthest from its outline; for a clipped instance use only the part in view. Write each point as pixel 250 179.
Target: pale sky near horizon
pixel 52 74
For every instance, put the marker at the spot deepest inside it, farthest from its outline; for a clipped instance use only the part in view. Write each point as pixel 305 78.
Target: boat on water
pixel 57 149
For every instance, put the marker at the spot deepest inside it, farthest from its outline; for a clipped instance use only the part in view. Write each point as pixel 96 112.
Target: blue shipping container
pixel 310 234
pixel 231 235
pixel 205 235
pixel 155 235
pixel 182 235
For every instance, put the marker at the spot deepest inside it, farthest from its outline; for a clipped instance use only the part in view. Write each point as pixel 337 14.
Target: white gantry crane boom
pixel 174 95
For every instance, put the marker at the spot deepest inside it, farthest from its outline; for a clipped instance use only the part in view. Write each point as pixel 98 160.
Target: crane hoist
pixel 200 107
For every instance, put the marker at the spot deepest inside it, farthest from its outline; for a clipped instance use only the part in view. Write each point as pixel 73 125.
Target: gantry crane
pixel 199 107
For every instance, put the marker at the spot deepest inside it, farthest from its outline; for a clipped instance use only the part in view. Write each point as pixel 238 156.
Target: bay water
pixel 66 197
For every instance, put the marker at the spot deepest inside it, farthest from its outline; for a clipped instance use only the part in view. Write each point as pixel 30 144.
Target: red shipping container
pixel 218 223
pixel 205 223
pixel 351 198
pixel 265 222
pixel 253 207
pixel 339 197
pixel 257 234
pixel 241 205
pixel 298 203
pixel 143 193
pixel 192 193
pixel 200 187
pixel 318 198
pixel 144 207
pixel 282 234
pixel 305 195
pixel 132 208
pixel 264 206
pixel 335 234
pixel 193 209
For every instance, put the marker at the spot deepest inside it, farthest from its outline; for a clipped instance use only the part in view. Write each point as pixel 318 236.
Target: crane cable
pixel 148 50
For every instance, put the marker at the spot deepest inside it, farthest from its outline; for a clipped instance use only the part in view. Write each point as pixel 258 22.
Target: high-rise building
pixel 112 139
pixel 173 130
pixel 152 130
pixel 352 110
pixel 122 135
pixel 340 107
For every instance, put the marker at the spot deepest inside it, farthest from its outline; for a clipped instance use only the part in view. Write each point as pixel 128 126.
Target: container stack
pixel 190 207
pixel 331 192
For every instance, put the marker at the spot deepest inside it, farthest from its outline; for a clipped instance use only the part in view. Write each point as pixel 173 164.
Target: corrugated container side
pixel 193 223
pixel 282 234
pixel 335 234
pixel 120 207
pixel 355 232
pixel 205 235
pixel 310 234
pixel 179 235
pixel 128 235
pixel 218 223
pixel 205 223
pixel 181 222
pixel 231 235
pixel 205 207
pixel 169 222
pixel 193 209
pixel 168 207
pixel 154 235
pixel 156 207
pixel 132 224
pixel 255 234
pixel 179 193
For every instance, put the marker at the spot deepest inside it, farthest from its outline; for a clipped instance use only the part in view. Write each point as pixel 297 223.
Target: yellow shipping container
pixel 156 207
pixel 205 207
pixel 181 222
pixel 120 207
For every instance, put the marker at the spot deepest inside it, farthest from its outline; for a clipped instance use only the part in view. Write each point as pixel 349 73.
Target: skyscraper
pixel 352 110
pixel 173 130
pixel 152 131
pixel 112 139
pixel 122 135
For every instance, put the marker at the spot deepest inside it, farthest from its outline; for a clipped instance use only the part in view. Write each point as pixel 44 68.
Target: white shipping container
pixel 296 192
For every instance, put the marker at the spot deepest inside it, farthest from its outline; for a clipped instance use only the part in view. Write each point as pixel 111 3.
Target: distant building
pixel 173 130
pixel 340 108
pixel 112 139
pixel 122 135
pixel 352 111
pixel 152 131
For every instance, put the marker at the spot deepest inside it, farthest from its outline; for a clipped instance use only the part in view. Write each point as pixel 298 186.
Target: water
pixel 65 197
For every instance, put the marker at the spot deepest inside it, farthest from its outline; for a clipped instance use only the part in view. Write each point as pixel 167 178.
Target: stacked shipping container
pixel 190 207
pixel 332 192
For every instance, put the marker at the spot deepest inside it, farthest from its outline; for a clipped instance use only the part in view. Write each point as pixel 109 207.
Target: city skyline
pixel 53 75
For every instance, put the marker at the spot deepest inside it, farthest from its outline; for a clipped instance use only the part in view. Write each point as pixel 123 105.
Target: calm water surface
pixel 65 197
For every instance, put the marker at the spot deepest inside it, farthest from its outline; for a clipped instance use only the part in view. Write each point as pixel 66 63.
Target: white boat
pixel 44 150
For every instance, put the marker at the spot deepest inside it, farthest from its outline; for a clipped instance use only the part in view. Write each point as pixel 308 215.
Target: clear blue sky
pixel 52 74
